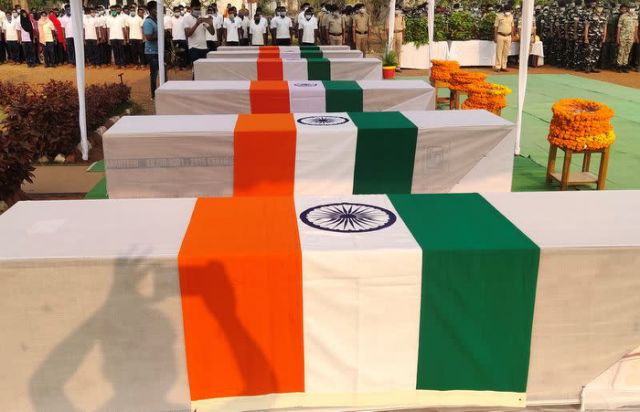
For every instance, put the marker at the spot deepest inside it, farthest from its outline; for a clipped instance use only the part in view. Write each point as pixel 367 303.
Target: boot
pixel 625 69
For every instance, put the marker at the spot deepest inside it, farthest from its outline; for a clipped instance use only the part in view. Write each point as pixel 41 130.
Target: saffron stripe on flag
pixel 343 96
pixel 269 68
pixel 318 69
pixel 479 276
pixel 269 96
pixel 264 154
pixel 242 311
pixel 272 52
pixel 385 152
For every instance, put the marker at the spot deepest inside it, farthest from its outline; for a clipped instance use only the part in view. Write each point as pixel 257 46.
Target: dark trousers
pixel 180 48
pixel 118 52
pixel 232 43
pixel 49 55
pixel 29 53
pixel 137 52
pixel 283 42
pixel 71 50
pixel 60 53
pixel 91 50
pixel 14 51
pixel 154 69
pixel 195 54
pixel 104 49
pixel 126 53
pixel 3 51
pixel 212 45
pixel 244 42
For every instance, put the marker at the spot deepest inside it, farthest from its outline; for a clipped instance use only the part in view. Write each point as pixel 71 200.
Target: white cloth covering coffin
pixel 283 49
pixel 90 293
pixel 247 69
pixel 183 156
pixel 293 54
pixel 219 97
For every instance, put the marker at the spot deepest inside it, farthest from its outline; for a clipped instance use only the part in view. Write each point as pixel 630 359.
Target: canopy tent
pixel 525 33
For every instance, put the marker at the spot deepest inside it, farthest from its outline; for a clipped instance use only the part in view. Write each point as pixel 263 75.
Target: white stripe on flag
pixel 307 96
pixel 294 69
pixel 325 153
pixel 355 292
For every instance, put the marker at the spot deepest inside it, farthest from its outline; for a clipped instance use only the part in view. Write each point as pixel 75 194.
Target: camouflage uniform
pixel 597 24
pixel 608 55
pixel 546 28
pixel 560 43
pixel 628 25
pixel 571 21
pixel 580 51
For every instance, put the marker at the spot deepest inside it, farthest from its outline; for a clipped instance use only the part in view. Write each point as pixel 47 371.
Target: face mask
pixel 114 13
pixel 282 14
pixel 599 9
pixel 632 10
pixel 507 13
pixel 182 13
pixel 361 11
pixel 307 16
pixel 15 15
pixel 195 13
pixel 335 14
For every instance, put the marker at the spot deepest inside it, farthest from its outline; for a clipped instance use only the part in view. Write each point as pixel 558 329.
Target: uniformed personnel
pixel 398 33
pixel 503 31
pixel 626 36
pixel 595 34
pixel 361 25
pixel 335 26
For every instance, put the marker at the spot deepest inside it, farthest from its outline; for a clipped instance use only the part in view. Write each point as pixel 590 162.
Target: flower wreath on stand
pixel 461 80
pixel 441 70
pixel 487 96
pixel 580 124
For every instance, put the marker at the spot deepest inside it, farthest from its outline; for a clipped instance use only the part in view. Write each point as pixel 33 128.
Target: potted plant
pixel 389 63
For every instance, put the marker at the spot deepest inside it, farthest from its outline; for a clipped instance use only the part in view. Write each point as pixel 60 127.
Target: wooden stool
pixel 441 85
pixel 454 103
pixel 566 178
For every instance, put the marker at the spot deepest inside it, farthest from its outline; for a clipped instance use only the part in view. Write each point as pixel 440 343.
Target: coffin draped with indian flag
pixel 343 301
pixel 284 154
pixel 293 53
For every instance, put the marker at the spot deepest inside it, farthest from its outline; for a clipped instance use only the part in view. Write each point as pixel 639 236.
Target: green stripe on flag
pixel 343 96
pixel 478 291
pixel 385 152
pixel 318 69
pixel 311 53
pixel 309 47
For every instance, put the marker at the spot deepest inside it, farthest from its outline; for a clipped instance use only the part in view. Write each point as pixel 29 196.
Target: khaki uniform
pixel 322 26
pixel 628 25
pixel 348 29
pixel 361 29
pixel 335 27
pixel 398 35
pixel 504 24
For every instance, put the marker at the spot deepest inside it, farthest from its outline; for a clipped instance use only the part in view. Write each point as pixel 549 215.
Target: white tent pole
pixel 78 42
pixel 431 7
pixel 391 22
pixel 523 65
pixel 161 70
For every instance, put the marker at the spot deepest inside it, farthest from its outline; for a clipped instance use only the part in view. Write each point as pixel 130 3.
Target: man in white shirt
pixel 308 33
pixel 195 27
pixel 3 42
pixel 258 30
pixel 91 36
pixel 67 28
pixel 128 14
pixel 117 35
pixel 10 29
pixel 135 39
pixel 212 39
pixel 281 27
pixel 232 27
pixel 244 24
pixel 179 39
pixel 300 18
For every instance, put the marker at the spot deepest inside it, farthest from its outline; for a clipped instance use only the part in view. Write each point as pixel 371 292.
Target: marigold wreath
pixel 461 80
pixel 441 69
pixel 487 96
pixel 580 124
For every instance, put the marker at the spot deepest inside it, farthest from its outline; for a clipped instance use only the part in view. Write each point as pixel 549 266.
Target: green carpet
pixel 542 91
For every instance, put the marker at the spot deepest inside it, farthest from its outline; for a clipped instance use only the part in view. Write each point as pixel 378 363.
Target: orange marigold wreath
pixel 487 96
pixel 461 80
pixel 441 69
pixel 580 124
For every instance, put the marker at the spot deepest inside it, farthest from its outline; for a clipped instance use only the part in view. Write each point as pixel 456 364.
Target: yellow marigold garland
pixel 441 69
pixel 580 124
pixel 487 96
pixel 461 80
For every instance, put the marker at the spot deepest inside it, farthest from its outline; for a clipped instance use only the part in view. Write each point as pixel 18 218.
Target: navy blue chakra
pixel 323 120
pixel 348 217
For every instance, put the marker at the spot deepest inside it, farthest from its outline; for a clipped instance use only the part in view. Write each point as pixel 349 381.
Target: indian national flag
pixel 356 300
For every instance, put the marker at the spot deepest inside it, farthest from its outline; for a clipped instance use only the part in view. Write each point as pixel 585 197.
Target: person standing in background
pixel 126 15
pixel 308 33
pixel 67 27
pixel 212 39
pixel 91 36
pixel 10 29
pixel 244 39
pixel 398 33
pixel 626 36
pixel 281 27
pixel 258 30
pixel 232 28
pixel 60 43
pixel 335 26
pixel 322 23
pixel 300 19
pixel 179 39
pixel 46 39
pixel 361 27
pixel 150 30
pixel 116 32
pixel 195 27
pixel 502 32
pixel 3 41
pixel 27 38
pixel 136 39
pixel 347 16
